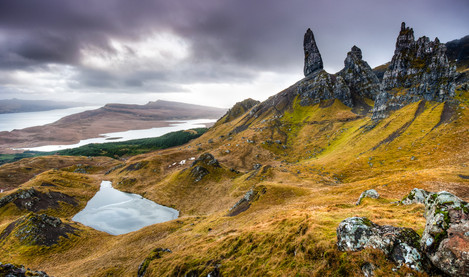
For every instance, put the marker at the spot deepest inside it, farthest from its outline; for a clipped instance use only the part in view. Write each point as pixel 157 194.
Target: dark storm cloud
pixel 230 41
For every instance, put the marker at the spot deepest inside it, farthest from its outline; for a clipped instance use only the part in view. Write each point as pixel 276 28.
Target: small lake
pixel 116 212
pixel 129 135
pixel 11 121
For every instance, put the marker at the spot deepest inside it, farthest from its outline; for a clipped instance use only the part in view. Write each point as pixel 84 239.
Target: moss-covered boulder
pixel 445 239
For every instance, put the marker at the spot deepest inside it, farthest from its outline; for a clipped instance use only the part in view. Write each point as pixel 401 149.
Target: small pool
pixel 116 212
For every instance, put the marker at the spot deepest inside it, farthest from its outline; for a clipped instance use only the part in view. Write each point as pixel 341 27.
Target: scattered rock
pixel 444 239
pixel 371 193
pixel 199 172
pixel 199 168
pixel 11 270
pixel 244 203
pixel 415 196
pixel 401 245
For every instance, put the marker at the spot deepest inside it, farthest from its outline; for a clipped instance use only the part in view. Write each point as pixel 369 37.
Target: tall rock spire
pixel 313 60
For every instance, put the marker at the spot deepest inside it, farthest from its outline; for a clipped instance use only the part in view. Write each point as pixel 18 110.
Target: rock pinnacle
pixel 313 60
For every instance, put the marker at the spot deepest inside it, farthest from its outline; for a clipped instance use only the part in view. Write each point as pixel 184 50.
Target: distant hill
pixel 110 118
pixel 18 105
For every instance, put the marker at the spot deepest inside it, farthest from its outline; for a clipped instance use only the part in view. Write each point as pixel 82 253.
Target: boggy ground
pixel 312 164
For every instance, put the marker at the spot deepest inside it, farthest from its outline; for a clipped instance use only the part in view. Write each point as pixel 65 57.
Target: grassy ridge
pixel 116 149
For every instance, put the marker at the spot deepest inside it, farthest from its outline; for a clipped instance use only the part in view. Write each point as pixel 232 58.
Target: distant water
pixel 116 212
pixel 129 135
pixel 11 121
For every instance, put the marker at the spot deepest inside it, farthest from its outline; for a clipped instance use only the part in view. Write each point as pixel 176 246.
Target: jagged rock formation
pixel 313 60
pixel 401 245
pixel 419 70
pixel 445 239
pixel 359 76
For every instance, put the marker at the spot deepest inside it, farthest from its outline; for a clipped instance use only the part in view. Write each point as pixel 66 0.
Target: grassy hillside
pixel 308 166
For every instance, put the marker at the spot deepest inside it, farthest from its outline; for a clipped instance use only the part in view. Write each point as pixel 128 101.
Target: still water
pixel 116 212
pixel 129 135
pixel 11 121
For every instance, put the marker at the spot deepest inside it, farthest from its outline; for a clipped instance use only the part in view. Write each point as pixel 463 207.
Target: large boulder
pixel 401 245
pixel 445 239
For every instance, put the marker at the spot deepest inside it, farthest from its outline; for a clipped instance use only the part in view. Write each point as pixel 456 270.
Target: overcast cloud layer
pixel 212 52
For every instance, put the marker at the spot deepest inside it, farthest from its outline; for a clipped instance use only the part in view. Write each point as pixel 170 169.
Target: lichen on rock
pixel 401 245
pixel 445 240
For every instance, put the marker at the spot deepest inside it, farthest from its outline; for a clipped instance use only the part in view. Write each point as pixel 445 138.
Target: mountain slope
pixel 295 164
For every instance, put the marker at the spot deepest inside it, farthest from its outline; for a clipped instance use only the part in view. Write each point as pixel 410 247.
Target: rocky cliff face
pixel 419 70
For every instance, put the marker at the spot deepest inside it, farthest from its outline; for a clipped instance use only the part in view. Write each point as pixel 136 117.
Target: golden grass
pixel 312 184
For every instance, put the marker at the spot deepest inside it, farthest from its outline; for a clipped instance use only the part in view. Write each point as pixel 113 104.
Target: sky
pixel 210 52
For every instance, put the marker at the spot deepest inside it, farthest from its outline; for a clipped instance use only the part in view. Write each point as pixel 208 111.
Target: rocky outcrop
pixel 245 202
pixel 401 245
pixel 200 167
pixel 419 70
pixel 371 193
pixel 11 270
pixel 359 76
pixel 34 201
pixel 416 196
pixel 313 60
pixel 445 239
pixel 35 229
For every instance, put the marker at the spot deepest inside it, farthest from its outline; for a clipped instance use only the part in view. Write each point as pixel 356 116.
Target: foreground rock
pixel 371 193
pixel 11 270
pixel 445 239
pixel 401 245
